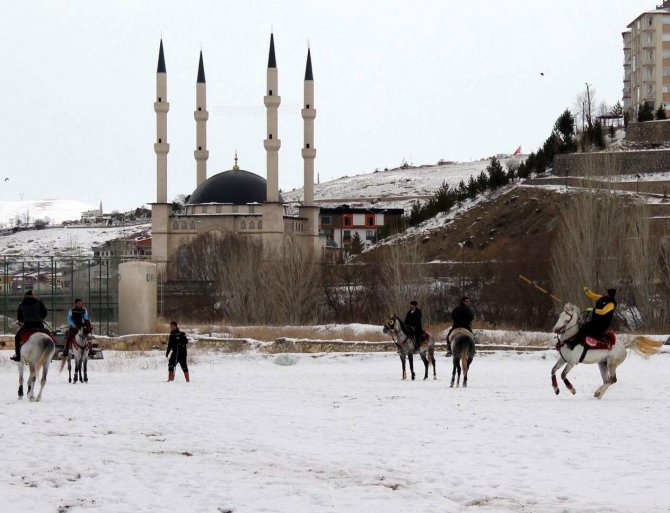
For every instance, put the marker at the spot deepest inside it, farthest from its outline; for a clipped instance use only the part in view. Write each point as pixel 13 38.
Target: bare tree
pixel 402 276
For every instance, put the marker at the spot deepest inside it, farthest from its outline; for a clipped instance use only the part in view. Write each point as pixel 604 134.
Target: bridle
pixel 391 328
pixel 85 337
pixel 561 331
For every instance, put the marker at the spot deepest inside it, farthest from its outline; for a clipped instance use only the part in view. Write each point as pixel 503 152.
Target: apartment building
pixel 341 224
pixel 647 60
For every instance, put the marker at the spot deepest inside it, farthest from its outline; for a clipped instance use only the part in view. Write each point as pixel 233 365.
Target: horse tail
pixel 47 346
pixel 644 345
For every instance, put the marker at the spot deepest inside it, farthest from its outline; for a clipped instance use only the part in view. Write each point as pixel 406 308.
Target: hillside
pixel 394 188
pixel 56 211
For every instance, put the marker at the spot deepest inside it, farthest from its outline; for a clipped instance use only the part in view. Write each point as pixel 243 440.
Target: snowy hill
pixel 56 211
pixel 66 241
pixel 395 188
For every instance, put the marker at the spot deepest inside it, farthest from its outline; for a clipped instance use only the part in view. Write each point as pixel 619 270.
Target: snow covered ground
pixel 336 432
pixel 71 241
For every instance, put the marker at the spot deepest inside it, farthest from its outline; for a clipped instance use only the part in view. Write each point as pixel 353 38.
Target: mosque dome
pixel 235 186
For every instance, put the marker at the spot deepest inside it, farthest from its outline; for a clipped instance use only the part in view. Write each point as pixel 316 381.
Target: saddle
pixel 608 340
pixel 25 335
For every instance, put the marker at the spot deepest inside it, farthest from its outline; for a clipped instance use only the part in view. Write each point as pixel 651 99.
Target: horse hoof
pixel 574 391
pixel 556 391
pixel 32 399
pixel 435 378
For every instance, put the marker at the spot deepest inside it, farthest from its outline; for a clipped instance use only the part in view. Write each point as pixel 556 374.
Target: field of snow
pixel 55 210
pixel 336 432
pixel 71 241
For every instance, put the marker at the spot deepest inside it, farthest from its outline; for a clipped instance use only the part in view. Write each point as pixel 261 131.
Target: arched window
pixel 260 225
pixel 252 225
pixel 192 225
pixel 175 225
pixel 243 225
pixel 183 225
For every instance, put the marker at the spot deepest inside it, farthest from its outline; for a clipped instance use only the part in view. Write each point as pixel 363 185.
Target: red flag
pixel 517 151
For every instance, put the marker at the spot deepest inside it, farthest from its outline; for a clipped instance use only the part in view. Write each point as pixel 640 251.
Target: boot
pixel 186 376
pixel 16 357
pixel 170 375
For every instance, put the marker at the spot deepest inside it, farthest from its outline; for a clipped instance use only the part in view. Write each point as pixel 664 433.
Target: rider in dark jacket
pixel 30 315
pixel 603 312
pixel 462 317
pixel 177 346
pixel 414 319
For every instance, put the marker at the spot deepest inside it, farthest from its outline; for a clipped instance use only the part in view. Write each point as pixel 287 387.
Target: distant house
pixel 133 247
pixel 340 224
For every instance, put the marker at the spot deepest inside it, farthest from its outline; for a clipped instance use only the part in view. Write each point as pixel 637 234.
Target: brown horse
pixel 462 344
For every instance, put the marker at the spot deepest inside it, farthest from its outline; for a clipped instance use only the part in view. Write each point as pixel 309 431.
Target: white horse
pixel 407 347
pixel 79 349
pixel 608 360
pixel 36 352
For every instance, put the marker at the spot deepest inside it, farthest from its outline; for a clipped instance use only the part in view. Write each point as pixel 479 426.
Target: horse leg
pixel 431 355
pixel 402 360
pixel 43 381
pixel 69 368
pixel 564 377
pixel 31 382
pixel 607 369
pixel 410 356
pixel 554 383
pixel 464 364
pixel 20 366
pixel 426 363
pixel 453 371
pixel 86 369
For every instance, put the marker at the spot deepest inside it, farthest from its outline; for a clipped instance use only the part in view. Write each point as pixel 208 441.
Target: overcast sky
pixel 418 80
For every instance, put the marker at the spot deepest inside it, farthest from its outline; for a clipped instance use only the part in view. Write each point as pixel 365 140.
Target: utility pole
pixel 588 100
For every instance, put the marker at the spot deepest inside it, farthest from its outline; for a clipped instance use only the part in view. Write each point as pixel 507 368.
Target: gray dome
pixel 238 187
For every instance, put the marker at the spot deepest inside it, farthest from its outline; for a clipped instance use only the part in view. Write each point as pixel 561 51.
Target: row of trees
pixel 446 198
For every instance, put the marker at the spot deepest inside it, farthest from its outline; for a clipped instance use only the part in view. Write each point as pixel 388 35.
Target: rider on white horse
pixel 30 315
pixel 77 318
pixel 414 319
pixel 602 314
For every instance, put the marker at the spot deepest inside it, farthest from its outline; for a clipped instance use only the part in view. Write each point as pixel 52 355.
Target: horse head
pixel 392 324
pixel 567 319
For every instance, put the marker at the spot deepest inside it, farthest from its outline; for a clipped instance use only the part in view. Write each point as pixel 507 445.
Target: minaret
pixel 161 147
pixel 201 115
pixel 272 142
pixel 308 150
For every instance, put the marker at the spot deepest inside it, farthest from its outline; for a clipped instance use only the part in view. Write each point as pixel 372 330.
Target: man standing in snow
pixel 414 319
pixel 177 346
pixel 30 315
pixel 462 317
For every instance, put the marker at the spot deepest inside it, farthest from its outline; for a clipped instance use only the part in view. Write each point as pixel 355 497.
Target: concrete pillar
pixel 138 295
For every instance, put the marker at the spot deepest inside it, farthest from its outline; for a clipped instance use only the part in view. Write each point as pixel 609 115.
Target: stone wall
pixel 654 132
pixel 625 163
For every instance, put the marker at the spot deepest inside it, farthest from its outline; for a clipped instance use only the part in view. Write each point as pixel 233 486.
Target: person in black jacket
pixel 177 346
pixel 30 315
pixel 602 315
pixel 414 319
pixel 462 317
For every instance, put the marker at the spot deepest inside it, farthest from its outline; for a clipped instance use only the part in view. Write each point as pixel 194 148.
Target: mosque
pixel 234 201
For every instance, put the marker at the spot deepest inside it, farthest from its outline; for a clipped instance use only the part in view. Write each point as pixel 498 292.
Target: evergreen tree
pixel 497 175
pixel 482 182
pixel 599 136
pixel 472 188
pixel 462 193
pixel 612 132
pixel 356 244
pixel 645 113
pixel 660 113
pixel 617 110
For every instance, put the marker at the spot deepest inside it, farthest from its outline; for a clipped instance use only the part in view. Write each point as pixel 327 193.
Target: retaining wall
pixel 624 163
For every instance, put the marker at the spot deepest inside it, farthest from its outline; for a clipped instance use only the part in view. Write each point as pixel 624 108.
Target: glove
pixel 589 309
pixel 586 289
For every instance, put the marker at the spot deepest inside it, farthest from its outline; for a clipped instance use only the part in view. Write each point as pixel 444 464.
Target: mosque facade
pixel 234 201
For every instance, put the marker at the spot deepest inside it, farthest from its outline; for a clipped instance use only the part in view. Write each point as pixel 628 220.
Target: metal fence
pixel 58 281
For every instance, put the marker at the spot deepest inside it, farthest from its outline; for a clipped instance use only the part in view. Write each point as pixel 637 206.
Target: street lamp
pixel 637 185
pixel 462 246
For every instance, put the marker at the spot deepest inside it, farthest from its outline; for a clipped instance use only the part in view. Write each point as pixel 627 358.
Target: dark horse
pixel 403 336
pixel 463 348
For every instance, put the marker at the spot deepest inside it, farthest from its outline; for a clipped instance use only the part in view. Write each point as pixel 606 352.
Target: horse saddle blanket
pixel 25 335
pixel 609 339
